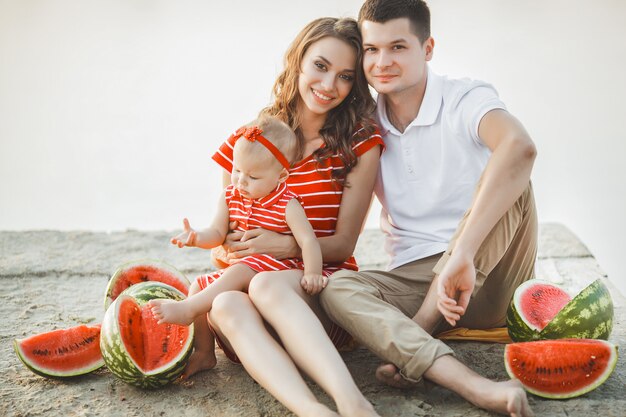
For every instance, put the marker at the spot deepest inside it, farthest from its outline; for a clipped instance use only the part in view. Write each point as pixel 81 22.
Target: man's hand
pixel 455 285
pixel 313 283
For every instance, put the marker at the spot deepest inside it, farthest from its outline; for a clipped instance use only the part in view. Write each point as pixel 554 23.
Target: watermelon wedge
pixel 62 353
pixel 563 368
pixel 144 270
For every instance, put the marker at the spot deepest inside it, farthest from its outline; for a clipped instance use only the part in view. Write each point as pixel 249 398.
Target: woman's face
pixel 327 74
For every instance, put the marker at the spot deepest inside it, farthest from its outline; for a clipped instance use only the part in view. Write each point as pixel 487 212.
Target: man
pixel 458 213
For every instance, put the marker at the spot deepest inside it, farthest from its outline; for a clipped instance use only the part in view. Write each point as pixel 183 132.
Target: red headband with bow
pixel 254 133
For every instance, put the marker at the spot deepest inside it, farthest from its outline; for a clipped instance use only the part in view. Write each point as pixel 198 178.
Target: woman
pixel 322 94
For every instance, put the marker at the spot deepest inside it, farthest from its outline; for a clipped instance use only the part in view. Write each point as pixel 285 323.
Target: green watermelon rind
pixel 593 304
pixel 601 380
pixel 146 291
pixel 108 299
pixel 48 373
pixel 117 359
pixel 519 330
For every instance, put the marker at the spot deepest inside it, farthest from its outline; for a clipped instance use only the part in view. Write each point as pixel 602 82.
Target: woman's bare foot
pixel 362 409
pixel 199 361
pixel 170 311
pixel 388 373
pixel 506 397
pixel 317 410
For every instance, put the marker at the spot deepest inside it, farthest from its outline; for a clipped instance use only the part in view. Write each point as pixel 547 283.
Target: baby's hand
pixel 187 237
pixel 313 283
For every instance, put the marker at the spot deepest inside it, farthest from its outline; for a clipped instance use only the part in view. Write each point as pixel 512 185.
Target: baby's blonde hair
pixel 278 133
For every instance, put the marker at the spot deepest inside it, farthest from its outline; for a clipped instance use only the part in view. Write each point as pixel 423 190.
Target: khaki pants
pixel 376 307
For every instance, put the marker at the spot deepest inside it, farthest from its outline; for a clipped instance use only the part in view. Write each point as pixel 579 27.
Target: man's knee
pixel 342 286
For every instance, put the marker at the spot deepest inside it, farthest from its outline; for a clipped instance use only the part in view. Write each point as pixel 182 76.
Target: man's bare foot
pixel 198 362
pixel 388 373
pixel 170 311
pixel 506 397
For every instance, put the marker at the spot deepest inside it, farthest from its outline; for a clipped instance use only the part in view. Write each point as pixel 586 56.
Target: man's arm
pixel 504 179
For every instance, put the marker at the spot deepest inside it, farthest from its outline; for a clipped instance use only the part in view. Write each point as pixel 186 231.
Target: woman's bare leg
pixel 296 316
pixel 203 356
pixel 240 326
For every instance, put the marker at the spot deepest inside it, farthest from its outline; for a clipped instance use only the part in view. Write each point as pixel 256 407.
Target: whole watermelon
pixel 138 350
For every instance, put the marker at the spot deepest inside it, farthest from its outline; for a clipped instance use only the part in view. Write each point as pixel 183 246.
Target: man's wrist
pixel 463 250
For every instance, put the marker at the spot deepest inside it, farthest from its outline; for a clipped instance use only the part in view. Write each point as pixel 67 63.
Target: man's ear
pixel 429 46
pixel 284 174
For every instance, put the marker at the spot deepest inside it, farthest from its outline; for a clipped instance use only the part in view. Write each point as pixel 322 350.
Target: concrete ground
pixel 51 279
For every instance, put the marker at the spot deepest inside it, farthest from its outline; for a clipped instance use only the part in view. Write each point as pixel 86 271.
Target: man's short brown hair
pixel 381 11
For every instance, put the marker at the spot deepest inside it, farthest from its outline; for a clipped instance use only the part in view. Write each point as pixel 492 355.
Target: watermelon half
pixel 62 353
pixel 142 271
pixel 563 368
pixel 138 350
pixel 541 310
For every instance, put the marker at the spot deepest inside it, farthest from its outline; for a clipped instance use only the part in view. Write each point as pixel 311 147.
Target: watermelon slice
pixel 141 271
pixel 541 310
pixel 62 353
pixel 138 350
pixel 563 368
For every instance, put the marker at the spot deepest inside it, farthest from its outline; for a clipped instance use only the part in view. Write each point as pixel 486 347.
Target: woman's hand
pixel 255 241
pixel 233 237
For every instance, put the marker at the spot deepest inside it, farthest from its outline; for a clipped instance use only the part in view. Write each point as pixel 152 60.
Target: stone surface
pixel 52 280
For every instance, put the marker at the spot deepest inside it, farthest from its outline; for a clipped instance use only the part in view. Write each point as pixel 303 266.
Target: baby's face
pixel 256 174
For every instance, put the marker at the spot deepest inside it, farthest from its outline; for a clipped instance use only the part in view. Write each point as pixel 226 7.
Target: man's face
pixel 395 59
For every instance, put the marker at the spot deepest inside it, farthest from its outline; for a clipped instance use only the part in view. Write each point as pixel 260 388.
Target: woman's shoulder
pixel 224 154
pixel 365 137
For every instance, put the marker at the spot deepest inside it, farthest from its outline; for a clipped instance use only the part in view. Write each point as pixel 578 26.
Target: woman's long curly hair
pixel 343 122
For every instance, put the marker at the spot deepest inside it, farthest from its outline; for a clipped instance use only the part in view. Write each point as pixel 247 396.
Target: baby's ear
pixel 284 174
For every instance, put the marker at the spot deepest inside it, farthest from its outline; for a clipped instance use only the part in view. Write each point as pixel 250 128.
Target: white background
pixel 110 110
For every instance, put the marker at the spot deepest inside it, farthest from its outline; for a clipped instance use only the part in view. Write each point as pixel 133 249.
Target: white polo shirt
pixel 428 174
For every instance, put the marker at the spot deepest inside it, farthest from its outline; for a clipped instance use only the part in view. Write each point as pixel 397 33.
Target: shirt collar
pixel 428 112
pixel 267 201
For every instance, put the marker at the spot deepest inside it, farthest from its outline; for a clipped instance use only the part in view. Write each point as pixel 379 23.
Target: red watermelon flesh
pixel 149 344
pixel 63 352
pixel 540 303
pixel 562 368
pixel 143 271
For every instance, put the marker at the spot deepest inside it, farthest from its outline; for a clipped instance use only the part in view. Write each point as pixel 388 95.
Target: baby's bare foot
pixel 170 311
pixel 198 362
